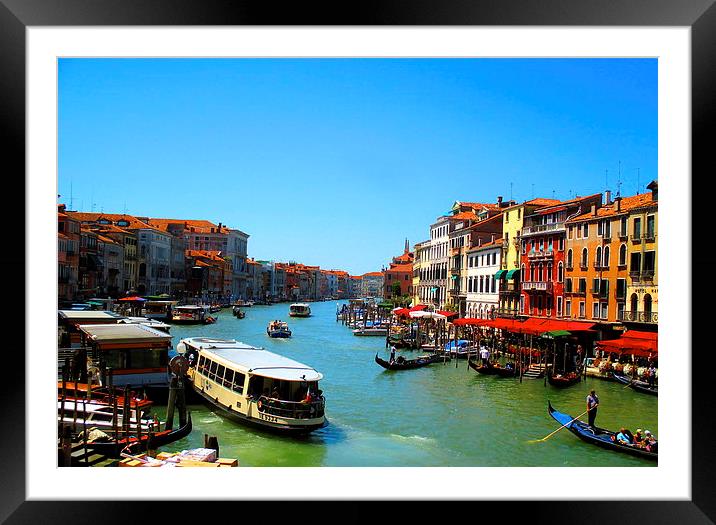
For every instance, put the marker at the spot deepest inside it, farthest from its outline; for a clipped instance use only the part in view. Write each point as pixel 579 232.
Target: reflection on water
pixel 439 415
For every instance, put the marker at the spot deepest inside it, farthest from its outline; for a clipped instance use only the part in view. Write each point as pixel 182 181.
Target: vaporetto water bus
pixel 251 385
pixel 299 310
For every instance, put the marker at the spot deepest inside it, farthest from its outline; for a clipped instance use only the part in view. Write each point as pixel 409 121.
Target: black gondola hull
pixel 598 436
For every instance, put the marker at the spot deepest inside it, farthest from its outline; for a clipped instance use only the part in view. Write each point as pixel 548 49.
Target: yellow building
pixel 512 223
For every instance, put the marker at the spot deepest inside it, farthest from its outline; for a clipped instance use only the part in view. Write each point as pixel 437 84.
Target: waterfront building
pixel 254 280
pixel 111 254
pixel 542 266
pixel 356 285
pixel 372 284
pixel 154 245
pixel 128 240
pixel 208 275
pixel 207 236
pixel 512 222
pixel 68 244
pixel 436 263
pixel 400 271
pixel 90 265
pixel 611 262
pixel 419 264
pixel 482 289
pixel 642 289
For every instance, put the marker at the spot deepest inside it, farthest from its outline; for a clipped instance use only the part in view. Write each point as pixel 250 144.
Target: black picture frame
pixel 699 15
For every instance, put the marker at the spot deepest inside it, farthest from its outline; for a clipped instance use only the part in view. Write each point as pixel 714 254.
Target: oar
pixel 560 428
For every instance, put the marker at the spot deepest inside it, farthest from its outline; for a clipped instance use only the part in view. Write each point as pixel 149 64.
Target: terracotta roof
pixel 491 244
pixel 92 217
pixel 465 215
pixel 400 268
pixel 479 205
pixel 372 274
pixel 200 226
pixel 627 204
pixel 543 202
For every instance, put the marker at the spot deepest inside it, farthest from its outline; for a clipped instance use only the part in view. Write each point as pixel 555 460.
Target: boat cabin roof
pixel 190 307
pixel 124 333
pixel 299 304
pixel 145 321
pixel 89 315
pixel 255 360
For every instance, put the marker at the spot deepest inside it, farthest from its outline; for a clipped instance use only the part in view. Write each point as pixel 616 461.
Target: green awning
pixel 556 333
pixel 511 273
pixel 94 303
pixel 500 273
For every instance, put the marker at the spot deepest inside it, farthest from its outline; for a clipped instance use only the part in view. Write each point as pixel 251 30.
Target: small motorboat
pixel 278 328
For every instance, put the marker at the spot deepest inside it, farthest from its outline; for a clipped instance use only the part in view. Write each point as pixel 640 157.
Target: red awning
pixel 571 326
pixel 418 307
pixel 533 326
pixel 402 312
pixel 133 298
pixel 471 321
pixel 630 345
pixel 447 314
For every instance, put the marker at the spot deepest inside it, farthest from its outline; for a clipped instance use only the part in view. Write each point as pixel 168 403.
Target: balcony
pixel 607 238
pixel 636 239
pixel 537 286
pixel 455 270
pixel 540 255
pixel 623 236
pixel 645 276
pixel 583 265
pixel 456 292
pixel 639 317
pixel 648 237
pixel 542 228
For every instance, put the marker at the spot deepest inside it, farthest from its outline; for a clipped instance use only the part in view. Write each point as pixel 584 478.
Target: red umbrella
pixel 133 298
pixel 447 314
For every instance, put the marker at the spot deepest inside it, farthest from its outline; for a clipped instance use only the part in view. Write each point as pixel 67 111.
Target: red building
pixel 401 272
pixel 542 257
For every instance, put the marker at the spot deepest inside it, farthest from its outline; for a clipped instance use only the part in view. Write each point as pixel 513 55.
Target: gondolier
pixel 392 355
pixel 592 403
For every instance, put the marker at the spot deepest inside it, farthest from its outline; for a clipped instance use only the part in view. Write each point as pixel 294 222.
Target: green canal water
pixel 440 415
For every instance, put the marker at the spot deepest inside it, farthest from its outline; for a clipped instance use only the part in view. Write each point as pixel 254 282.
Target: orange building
pixel 68 255
pixel 596 263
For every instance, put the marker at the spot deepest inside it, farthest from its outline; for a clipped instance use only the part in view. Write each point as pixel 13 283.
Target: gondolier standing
pixel 392 355
pixel 592 403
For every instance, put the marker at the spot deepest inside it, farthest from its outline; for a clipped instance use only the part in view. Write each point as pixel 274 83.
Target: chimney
pixel 499 201
pixel 594 210
pixel 618 203
pixel 493 238
pixel 61 208
pixel 654 187
pixel 608 197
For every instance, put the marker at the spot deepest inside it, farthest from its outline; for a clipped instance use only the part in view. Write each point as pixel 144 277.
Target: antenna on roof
pixel 637 181
pixel 553 194
pixel 510 191
pixel 606 179
pixel 533 190
pixel 71 195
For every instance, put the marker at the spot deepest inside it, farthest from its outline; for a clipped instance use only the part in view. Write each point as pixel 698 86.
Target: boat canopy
pixel 89 315
pixel 123 333
pixel 255 360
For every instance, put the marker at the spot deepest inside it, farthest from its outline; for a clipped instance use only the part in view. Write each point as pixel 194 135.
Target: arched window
pixel 585 257
pixel 605 262
pixel 549 272
pixel 622 255
pixel 540 272
pixel 569 258
pixel 598 257
pixel 560 272
pixel 522 273
pixel 634 305
pixel 532 272
pixel 647 308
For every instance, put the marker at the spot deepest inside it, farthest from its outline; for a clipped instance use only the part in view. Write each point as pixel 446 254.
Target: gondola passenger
pixel 623 437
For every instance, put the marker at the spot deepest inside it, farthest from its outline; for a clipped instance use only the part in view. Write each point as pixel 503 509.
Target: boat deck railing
pixel 292 409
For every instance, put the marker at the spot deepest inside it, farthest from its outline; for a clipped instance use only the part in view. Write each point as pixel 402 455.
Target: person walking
pixel 592 403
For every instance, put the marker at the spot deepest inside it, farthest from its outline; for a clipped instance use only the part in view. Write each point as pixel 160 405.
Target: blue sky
pixel 336 161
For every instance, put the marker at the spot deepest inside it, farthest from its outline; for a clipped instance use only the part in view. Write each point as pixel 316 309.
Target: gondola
pixel 598 436
pixel 113 447
pixel 562 381
pixel 406 364
pixel 639 386
pixel 492 369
